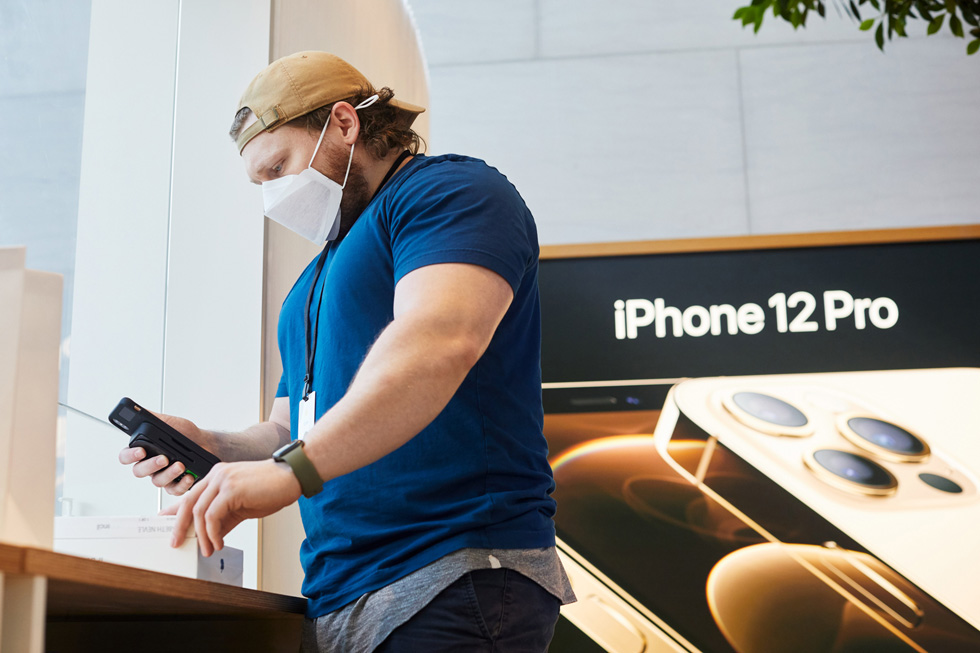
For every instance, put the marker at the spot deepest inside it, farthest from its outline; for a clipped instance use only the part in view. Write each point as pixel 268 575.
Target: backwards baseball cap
pixel 303 82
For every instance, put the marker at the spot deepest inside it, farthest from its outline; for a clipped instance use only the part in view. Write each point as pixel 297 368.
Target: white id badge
pixel 307 414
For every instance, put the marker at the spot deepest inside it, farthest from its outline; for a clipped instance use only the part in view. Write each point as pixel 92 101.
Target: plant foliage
pixel 887 18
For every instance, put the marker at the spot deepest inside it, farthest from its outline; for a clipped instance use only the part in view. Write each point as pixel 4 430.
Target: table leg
pixel 22 606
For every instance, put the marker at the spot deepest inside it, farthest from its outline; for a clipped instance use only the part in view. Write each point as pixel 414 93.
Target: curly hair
pixel 383 127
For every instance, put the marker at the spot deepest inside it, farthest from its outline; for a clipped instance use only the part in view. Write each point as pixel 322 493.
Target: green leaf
pixel 740 12
pixel 969 17
pixel 936 24
pixel 951 6
pixel 880 36
pixel 923 10
pixel 973 47
pixel 955 26
pixel 868 24
pixel 854 10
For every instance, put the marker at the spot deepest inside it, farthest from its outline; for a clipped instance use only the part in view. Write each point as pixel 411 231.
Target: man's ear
pixel 344 117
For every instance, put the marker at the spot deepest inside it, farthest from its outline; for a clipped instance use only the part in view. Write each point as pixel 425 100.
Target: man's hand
pixel 230 494
pixel 158 468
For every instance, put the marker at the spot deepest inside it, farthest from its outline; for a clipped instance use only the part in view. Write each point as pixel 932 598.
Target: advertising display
pixel 768 448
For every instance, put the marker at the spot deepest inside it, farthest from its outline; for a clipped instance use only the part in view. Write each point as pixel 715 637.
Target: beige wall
pixel 378 37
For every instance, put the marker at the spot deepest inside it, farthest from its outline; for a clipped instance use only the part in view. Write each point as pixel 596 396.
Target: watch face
pixel 282 451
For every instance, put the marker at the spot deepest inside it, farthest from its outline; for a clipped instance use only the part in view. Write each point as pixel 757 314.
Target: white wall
pixel 121 252
pixel 168 288
pixel 652 119
pixel 43 47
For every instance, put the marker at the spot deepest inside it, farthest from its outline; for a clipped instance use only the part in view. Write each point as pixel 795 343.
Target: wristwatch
pixel 293 455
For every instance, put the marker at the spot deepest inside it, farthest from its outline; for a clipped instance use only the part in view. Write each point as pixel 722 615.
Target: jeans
pixel 487 610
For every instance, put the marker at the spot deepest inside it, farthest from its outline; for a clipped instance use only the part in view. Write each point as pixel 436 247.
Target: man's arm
pixel 445 317
pixel 254 443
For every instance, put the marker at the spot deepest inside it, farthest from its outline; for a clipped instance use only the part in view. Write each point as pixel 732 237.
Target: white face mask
pixel 309 203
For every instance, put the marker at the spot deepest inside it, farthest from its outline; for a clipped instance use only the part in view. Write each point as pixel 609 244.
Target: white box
pixel 145 542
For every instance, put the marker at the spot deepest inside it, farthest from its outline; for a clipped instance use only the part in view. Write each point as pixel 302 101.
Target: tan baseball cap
pixel 300 83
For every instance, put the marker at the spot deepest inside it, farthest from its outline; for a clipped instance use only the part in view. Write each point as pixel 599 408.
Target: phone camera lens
pixel 940 483
pixel 769 409
pixel 885 439
pixel 859 474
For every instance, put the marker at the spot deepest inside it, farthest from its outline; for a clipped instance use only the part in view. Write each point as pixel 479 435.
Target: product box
pixel 145 542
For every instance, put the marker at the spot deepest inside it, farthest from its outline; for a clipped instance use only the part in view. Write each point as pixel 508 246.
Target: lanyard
pixel 310 340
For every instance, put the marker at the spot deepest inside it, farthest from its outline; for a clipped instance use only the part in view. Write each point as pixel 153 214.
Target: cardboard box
pixel 145 542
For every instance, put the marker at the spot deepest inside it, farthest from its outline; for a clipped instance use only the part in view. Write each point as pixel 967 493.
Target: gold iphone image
pixel 674 542
pixel 888 457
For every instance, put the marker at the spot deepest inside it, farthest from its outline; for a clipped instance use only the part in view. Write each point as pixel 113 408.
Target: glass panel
pixel 43 57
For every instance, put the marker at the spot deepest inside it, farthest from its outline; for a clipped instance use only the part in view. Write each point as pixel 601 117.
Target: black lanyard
pixel 311 343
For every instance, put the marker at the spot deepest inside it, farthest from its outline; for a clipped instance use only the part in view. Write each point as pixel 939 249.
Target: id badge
pixel 307 414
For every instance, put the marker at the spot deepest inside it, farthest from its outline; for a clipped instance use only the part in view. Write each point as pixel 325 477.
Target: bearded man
pixel 408 419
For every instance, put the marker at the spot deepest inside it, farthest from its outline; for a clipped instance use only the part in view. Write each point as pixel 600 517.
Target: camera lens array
pixel 857 472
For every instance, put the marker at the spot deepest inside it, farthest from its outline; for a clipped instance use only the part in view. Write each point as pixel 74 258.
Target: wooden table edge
pixel 56 566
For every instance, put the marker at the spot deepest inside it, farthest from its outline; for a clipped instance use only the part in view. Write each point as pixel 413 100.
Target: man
pixel 409 411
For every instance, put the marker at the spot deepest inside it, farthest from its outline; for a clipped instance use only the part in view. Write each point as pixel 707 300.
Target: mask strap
pixel 317 148
pixel 368 102
pixel 363 105
pixel 349 161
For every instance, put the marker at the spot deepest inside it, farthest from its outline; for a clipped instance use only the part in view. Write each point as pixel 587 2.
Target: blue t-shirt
pixel 478 475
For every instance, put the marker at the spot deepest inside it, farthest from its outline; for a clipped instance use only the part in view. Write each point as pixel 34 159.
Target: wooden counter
pixel 56 602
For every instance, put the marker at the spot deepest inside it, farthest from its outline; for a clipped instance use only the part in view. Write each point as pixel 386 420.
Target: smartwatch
pixel 293 455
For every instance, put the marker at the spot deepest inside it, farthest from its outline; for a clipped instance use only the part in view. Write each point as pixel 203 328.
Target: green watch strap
pixel 293 455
